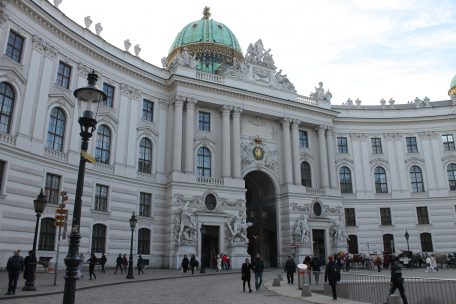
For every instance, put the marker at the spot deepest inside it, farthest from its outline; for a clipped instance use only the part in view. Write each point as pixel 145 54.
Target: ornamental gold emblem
pixel 258 152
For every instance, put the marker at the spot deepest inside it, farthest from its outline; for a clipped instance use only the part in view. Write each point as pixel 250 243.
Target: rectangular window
pixel 63 75
pixel 109 91
pixel 145 204
pixel 448 142
pixel 148 110
pixel 204 121
pixel 422 214
pixel 342 146
pixel 2 175
pixel 376 145
pixel 385 216
pixel 101 198
pixel 303 139
pixel 350 218
pixel 15 46
pixel 411 145
pixel 52 188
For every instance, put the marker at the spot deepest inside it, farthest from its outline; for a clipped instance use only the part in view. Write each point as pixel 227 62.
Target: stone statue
pixel 267 58
pixel 185 224
pixel 281 78
pixel 57 3
pixel 338 231
pixel 98 28
pixel 164 62
pixel 185 59
pixel 320 94
pixel 87 22
pixel 301 232
pixel 137 49
pixel 127 44
pixel 259 50
pixel 237 227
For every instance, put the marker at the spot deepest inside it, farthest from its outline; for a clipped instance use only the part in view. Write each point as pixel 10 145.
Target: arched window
pixel 103 150
pixel 7 98
pixel 203 162
pixel 388 243
pixel 353 244
pixel 56 130
pixel 143 241
pixel 306 177
pixel 345 180
pixel 99 238
pixel 426 242
pixel 145 156
pixel 47 234
pixel 381 185
pixel 451 170
pixel 416 179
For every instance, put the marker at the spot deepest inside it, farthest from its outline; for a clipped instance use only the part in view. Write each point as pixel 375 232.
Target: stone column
pixel 189 127
pixel 161 149
pixel 226 149
pixel 392 156
pixel 331 147
pixel 323 157
pixel 428 170
pixel 295 152
pixel 237 142
pixel 439 170
pixel 286 150
pixel 177 144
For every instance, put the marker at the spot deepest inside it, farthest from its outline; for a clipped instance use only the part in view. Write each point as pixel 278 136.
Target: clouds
pixel 366 49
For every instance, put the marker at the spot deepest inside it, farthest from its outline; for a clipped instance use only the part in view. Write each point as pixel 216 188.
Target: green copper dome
pixel 452 91
pixel 212 42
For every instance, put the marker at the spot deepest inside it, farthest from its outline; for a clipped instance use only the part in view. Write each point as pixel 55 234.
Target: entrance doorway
pixel 210 245
pixel 261 212
pixel 318 237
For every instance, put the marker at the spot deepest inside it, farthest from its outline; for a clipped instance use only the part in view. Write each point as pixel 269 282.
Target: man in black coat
pixel 245 269
pixel 30 268
pixel 397 281
pixel 119 264
pixel 290 269
pixel 332 274
pixel 258 268
pixel 14 266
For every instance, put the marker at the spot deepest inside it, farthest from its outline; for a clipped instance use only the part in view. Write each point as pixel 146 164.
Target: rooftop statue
pixel 320 93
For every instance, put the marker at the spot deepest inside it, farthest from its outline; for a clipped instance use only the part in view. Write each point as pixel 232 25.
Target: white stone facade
pixel 244 116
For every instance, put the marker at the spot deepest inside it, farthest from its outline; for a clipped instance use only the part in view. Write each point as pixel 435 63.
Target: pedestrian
pixel 258 268
pixel 124 262
pixel 245 269
pixel 140 265
pixel 332 274
pixel 119 264
pixel 290 269
pixel 81 266
pixel 30 267
pixel 193 263
pixel 316 269
pixel 397 281
pixel 228 262
pixel 224 261
pixel 185 263
pixel 102 263
pixel 434 263
pixel 347 262
pixel 92 262
pixel 308 262
pixel 378 263
pixel 218 262
pixel 14 266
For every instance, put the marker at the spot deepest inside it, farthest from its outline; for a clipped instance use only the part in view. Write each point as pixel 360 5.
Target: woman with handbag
pixel 246 274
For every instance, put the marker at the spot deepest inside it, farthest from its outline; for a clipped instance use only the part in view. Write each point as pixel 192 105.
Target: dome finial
pixel 206 12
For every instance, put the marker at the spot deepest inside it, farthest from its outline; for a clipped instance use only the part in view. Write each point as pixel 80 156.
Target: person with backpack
pixel 14 266
pixel 332 274
pixel 119 264
pixel 397 281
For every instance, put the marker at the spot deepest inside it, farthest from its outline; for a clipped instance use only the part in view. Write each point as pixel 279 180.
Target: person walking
pixel 102 263
pixel 245 270
pixel 332 274
pixel 92 261
pixel 140 265
pixel 81 266
pixel 434 263
pixel 185 263
pixel 429 264
pixel 308 262
pixel 125 262
pixel 290 269
pixel 119 264
pixel 378 263
pixel 258 268
pixel 193 263
pixel 316 269
pixel 14 266
pixel 218 263
pixel 30 267
pixel 397 281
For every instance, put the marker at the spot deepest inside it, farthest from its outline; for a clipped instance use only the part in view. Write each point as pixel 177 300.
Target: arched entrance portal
pixel 261 212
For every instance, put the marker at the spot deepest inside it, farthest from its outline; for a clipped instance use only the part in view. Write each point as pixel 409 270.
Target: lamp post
pixel 39 204
pixel 133 222
pixel 203 231
pixel 407 235
pixel 92 95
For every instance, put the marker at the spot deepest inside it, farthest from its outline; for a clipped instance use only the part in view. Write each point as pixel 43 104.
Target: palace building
pixel 215 151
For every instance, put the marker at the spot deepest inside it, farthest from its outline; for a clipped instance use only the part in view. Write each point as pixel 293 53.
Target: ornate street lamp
pixel 39 204
pixel 91 95
pixel 407 235
pixel 133 222
pixel 203 231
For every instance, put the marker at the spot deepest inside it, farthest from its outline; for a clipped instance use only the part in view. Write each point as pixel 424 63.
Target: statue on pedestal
pixel 237 227
pixel 301 234
pixel 185 225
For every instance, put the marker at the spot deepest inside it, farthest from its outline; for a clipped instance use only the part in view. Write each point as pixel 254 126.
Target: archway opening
pixel 261 212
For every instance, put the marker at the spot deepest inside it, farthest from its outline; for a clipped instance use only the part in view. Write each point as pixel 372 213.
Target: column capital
pixel 225 110
pixel 285 121
pixel 38 44
pixel 237 111
pixel 295 124
pixel 321 129
pixel 178 102
pixel 163 104
pixel 190 104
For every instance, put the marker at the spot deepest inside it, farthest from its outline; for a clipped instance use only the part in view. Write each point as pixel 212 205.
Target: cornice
pixel 395 121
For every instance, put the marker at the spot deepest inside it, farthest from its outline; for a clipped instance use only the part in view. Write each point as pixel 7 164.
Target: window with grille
pixel 303 139
pixel 416 179
pixel 52 188
pixel 451 171
pixel 145 156
pixel 342 145
pixel 381 185
pixel 204 121
pixel 99 238
pixel 412 146
pixel 63 75
pixel 385 216
pixel 203 162
pixel 345 180
pixel 143 241
pixel 101 198
pixel 422 215
pixel 376 144
pixel 352 244
pixel 7 97
pixel 103 148
pixel 56 130
pixel 15 46
pixel 426 242
pixel 47 234
pixel 388 243
pixel 306 176
pixel 148 110
pixel 145 204
pixel 448 142
pixel 350 218
pixel 109 91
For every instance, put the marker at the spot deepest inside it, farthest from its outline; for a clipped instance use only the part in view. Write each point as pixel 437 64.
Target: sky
pixel 366 49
